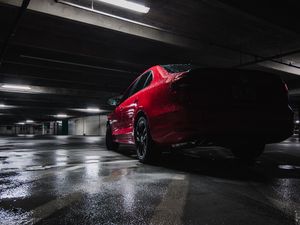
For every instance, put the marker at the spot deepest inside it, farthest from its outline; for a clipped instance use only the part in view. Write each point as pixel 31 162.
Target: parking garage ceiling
pixel 76 54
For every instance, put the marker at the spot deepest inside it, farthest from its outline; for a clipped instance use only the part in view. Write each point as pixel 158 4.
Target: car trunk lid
pixel 229 88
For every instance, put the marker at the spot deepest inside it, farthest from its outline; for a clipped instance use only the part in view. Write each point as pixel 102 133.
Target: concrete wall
pixel 52 128
pixel 90 125
pixel 103 121
pixel 4 130
pixel 21 129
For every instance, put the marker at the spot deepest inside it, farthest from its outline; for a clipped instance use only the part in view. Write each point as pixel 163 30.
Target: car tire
pixel 146 149
pixel 110 143
pixel 249 152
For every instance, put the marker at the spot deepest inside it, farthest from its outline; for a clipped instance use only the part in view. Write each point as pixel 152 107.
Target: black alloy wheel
pixel 145 147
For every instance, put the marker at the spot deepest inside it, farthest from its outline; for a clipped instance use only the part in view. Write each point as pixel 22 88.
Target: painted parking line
pixel 292 210
pixel 42 175
pixel 45 174
pixel 169 211
pixel 51 207
pixel 171 208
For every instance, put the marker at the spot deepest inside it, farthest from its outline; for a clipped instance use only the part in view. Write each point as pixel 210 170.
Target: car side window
pixel 149 80
pixel 140 83
pixel 129 92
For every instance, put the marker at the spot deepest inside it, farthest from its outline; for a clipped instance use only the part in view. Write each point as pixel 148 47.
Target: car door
pixel 117 121
pixel 130 108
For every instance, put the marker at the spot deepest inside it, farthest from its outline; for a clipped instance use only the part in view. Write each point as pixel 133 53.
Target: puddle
pixel 37 168
pixel 9 169
pixel 92 161
pixel 7 174
pixel 17 216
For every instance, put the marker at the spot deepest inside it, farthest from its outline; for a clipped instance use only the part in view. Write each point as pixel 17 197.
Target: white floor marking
pixel 289 208
pixel 43 174
pixel 44 211
pixel 121 161
pixel 293 210
pixel 51 207
pixel 297 217
pixel 171 208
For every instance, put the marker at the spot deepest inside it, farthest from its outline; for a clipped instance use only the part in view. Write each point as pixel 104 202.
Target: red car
pixel 178 105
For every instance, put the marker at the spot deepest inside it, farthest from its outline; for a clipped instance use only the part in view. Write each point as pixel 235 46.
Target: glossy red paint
pixel 205 104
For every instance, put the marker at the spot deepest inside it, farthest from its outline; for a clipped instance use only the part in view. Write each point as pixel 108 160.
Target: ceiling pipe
pixel 14 29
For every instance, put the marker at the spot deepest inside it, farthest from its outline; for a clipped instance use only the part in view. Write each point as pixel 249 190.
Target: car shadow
pixel 219 162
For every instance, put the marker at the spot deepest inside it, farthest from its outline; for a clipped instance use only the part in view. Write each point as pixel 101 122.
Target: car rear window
pixel 177 68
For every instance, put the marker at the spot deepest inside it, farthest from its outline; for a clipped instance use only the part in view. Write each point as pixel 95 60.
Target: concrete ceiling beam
pixel 73 13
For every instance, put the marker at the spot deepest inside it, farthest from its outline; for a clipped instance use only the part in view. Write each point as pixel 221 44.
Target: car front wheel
pixel 146 150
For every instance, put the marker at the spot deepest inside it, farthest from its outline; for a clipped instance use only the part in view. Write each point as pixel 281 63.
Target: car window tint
pixel 149 79
pixel 129 92
pixel 141 83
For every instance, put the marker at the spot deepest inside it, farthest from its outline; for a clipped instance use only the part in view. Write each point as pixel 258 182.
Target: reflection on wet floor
pixel 75 180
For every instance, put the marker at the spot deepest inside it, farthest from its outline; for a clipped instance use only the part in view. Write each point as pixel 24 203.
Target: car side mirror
pixel 114 101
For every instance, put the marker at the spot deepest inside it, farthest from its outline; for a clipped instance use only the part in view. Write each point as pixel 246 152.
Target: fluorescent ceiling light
pixel 29 121
pixel 297 121
pixel 3 106
pixel 61 116
pixel 110 15
pixel 21 123
pixel 93 109
pixel 127 5
pixel 16 87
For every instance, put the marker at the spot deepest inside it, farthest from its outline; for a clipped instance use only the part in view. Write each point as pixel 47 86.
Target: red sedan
pixel 178 105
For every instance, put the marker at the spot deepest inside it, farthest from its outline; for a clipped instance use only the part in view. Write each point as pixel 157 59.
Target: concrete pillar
pixel 64 130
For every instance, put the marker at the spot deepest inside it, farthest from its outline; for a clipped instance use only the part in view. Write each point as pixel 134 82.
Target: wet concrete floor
pixel 75 180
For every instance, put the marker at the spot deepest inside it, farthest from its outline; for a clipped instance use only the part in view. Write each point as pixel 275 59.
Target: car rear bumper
pixel 188 125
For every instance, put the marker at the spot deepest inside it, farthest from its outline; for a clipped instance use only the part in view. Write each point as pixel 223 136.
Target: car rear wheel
pixel 110 144
pixel 249 152
pixel 146 150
